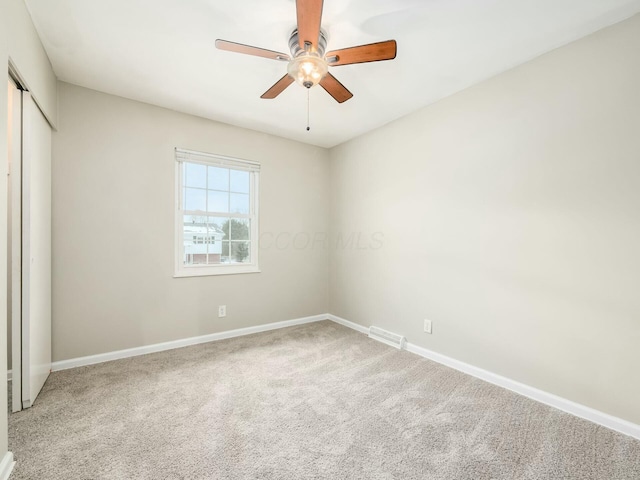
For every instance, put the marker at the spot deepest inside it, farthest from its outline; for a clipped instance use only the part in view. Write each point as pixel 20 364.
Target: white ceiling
pixel 162 52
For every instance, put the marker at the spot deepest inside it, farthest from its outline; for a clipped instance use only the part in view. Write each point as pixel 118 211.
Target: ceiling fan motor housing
pixel 296 49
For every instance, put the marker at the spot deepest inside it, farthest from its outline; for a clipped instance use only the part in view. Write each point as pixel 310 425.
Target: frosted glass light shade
pixel 308 69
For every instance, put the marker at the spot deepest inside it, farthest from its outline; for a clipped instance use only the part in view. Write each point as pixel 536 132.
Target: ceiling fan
pixel 308 62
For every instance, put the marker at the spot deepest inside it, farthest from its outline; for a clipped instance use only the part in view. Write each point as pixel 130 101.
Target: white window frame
pixel 190 156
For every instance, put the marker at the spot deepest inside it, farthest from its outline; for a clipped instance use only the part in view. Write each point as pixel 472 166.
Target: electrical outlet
pixel 222 311
pixel 427 326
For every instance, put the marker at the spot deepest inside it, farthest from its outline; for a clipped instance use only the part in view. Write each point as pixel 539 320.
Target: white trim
pixel 347 323
pixel 9 375
pixel 208 271
pixel 185 342
pixel 6 466
pixel 568 406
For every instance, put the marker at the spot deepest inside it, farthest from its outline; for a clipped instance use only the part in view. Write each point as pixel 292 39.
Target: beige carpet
pixel 315 401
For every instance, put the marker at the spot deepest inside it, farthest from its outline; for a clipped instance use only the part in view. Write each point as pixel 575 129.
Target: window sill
pixel 214 271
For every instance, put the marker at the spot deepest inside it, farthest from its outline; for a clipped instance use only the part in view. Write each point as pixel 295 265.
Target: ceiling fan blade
pixel 309 19
pixel 249 50
pixel 334 88
pixel 373 52
pixel 278 87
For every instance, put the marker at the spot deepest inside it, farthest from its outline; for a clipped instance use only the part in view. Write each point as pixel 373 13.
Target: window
pixel 216 214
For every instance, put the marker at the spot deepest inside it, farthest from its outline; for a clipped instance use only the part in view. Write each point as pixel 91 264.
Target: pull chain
pixel 308 107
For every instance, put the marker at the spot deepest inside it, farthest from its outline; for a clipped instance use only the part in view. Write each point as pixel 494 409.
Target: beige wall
pixel 20 43
pixel 113 228
pixel 511 218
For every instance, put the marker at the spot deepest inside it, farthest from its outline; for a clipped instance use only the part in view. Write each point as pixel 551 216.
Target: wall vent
pixel 392 339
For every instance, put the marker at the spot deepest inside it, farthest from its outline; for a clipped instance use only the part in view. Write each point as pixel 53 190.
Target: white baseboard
pixel 550 399
pixel 347 323
pixel 185 342
pixel 6 466
pixel 568 406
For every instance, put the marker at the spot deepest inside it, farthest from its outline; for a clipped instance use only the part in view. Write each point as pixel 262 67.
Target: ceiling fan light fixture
pixel 308 69
pixel 308 63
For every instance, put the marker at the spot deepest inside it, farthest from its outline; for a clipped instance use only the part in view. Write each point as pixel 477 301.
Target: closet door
pixel 36 250
pixel 14 241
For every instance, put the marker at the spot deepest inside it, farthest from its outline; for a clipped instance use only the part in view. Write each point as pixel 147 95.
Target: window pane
pixel 225 252
pixel 214 259
pixel 190 219
pixel 195 175
pixel 239 181
pixel 218 201
pixel 215 235
pixel 238 229
pixel 195 199
pixel 240 252
pixel 239 203
pixel 194 232
pixel 218 178
pixel 216 226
